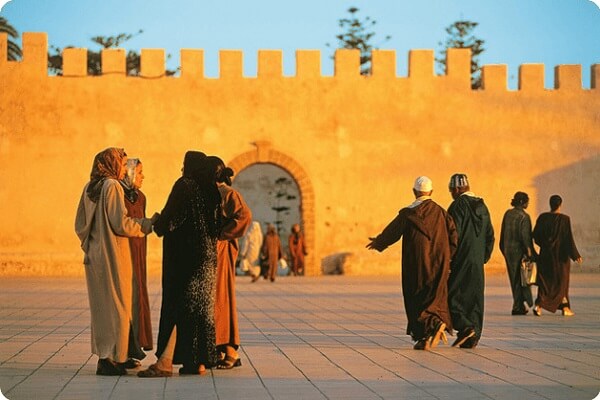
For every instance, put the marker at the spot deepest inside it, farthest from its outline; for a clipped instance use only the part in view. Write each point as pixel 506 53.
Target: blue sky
pixel 551 32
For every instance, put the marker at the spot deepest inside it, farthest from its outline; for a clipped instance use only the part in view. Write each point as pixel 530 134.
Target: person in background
pixel 135 202
pixel 297 250
pixel 249 254
pixel 516 243
pixel 235 219
pixel 475 243
pixel 104 227
pixel 553 234
pixel 189 223
pixel 429 240
pixel 271 251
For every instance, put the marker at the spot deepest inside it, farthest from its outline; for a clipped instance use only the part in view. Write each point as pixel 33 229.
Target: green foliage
pixel 281 194
pixel 94 59
pixel 356 35
pixel 460 35
pixel 13 51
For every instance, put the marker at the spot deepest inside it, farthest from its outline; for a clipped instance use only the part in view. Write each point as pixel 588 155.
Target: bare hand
pixel 371 245
pixel 579 260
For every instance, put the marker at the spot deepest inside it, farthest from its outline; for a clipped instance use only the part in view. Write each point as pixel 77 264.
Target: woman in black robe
pixel 189 223
pixel 553 234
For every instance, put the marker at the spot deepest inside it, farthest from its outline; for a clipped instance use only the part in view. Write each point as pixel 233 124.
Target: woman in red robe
pixel 236 217
pixel 135 202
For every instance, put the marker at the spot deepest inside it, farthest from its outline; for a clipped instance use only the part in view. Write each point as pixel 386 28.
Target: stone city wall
pixel 354 144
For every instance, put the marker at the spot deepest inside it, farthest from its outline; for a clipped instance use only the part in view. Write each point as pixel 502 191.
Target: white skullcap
pixel 423 184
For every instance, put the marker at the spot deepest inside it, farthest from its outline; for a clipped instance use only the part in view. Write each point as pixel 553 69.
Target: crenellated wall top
pixel 308 66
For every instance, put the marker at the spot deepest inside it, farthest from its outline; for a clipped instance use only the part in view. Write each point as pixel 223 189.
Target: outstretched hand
pixel 371 244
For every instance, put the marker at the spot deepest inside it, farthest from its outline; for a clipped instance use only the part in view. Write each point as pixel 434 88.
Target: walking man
pixel 429 242
pixel 475 243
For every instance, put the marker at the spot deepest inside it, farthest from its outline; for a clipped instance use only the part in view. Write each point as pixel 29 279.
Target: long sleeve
pixel 452 234
pixel 173 214
pixel 489 240
pixel 573 252
pixel 526 237
pixel 391 233
pixel 114 206
pixel 237 216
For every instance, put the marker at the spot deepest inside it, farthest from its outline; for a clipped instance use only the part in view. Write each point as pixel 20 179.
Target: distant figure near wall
pixel 429 241
pixel 553 234
pixel 249 255
pixel 271 251
pixel 297 250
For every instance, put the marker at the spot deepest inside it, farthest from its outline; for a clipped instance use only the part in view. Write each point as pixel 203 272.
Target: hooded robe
pixel 475 244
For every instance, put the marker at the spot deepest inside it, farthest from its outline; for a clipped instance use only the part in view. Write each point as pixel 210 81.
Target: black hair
pixel 519 199
pixel 555 202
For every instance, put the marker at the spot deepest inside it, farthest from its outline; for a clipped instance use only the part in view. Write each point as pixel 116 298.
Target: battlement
pixel 308 66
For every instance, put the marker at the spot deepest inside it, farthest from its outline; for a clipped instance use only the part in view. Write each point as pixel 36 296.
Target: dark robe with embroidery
pixel 142 324
pixel 553 234
pixel 475 244
pixel 429 240
pixel 189 275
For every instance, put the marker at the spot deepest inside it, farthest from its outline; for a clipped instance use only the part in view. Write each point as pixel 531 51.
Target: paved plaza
pixel 331 337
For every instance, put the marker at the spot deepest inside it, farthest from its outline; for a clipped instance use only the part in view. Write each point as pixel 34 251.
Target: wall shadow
pixel 579 186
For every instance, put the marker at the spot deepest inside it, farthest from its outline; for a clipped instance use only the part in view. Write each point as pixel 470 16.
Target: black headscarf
pixel 107 164
pixel 193 163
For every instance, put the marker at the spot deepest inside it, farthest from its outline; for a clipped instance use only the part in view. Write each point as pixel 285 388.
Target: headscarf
pixel 107 164
pixel 217 169
pixel 193 163
pixel 197 168
pixel 131 192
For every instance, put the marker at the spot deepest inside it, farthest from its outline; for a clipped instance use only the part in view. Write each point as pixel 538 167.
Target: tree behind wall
pixel 13 50
pixel 355 35
pixel 94 59
pixel 460 35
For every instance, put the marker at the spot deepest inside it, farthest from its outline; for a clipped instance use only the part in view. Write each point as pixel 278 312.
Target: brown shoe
pixel 154 372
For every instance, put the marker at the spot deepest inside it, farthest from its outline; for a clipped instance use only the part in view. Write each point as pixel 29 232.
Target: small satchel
pixel 528 272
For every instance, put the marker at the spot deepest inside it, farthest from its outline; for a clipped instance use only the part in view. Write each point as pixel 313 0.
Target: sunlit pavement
pixel 311 338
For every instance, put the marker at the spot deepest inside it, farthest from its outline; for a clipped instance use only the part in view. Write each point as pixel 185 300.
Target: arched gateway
pixel 264 154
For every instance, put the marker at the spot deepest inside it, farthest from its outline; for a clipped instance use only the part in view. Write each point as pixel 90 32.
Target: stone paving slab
pixel 330 337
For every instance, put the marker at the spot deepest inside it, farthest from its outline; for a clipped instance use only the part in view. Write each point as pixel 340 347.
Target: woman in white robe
pixel 103 227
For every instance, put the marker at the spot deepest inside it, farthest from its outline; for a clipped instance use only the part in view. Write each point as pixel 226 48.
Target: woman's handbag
pixel 528 272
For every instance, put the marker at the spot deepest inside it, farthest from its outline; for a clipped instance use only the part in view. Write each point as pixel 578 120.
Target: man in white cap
pixel 428 245
pixel 475 244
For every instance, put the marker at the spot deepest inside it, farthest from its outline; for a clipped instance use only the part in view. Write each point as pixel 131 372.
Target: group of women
pixel 553 234
pixel 200 224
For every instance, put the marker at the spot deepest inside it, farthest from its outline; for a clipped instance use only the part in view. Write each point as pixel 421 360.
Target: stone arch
pixel 264 154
